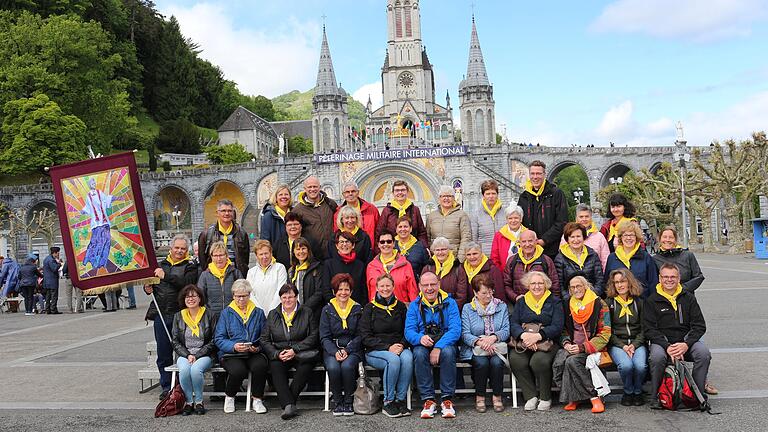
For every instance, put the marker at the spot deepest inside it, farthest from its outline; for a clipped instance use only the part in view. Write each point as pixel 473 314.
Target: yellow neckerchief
pixel 264 269
pixel 672 298
pixel 389 308
pixel 592 229
pixel 623 256
pixel 280 212
pixel 472 272
pixel 445 212
pixel 353 231
pixel 405 247
pixel 303 195
pixel 567 252
pixel 219 273
pixel 624 306
pixel 290 246
pixel 173 263
pixel 249 308
pixel 225 232
pixel 193 323
pixel 529 188
pixel 384 263
pixel 343 313
pixel 493 210
pixel 579 305
pixel 356 205
pixel 677 246
pixel 442 270
pixel 401 209
pixel 441 296
pixel 289 318
pixel 536 254
pixel 612 228
pixel 536 305
pixel 507 232
pixel 300 267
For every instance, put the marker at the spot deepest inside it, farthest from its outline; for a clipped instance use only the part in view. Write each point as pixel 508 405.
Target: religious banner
pixel 103 223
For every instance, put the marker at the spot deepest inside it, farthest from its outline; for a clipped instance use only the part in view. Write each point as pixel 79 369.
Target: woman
pixel 476 264
pixel 619 209
pixel 193 329
pixel 238 333
pixel 308 276
pixel 450 221
pixel 283 248
pixel 575 257
pixel 445 265
pixel 587 330
pixel 348 220
pixel 627 345
pixel 630 255
pixel 409 247
pixel 486 221
pixel 267 276
pixel 388 261
pixel 485 325
pixel 290 341
pixel 272 226
pixel 28 275
pixel 532 366
pixel 345 261
pixel 341 342
pixel 382 328
pixel 216 281
pixel 506 240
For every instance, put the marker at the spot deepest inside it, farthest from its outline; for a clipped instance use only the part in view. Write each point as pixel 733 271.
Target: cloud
pixel 735 122
pixel 374 90
pixel 617 121
pixel 260 62
pixel 688 19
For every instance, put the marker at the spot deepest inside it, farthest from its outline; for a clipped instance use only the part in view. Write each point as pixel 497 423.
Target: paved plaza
pixel 79 372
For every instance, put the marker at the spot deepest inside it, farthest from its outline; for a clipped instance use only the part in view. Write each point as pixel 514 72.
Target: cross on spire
pixel 323 16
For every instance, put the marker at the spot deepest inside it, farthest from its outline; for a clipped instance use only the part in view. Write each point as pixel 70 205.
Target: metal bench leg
pixel 173 379
pixel 408 396
pixel 248 398
pixel 513 381
pixel 327 395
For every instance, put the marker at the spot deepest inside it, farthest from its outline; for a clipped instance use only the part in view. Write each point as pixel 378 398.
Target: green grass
pixel 148 124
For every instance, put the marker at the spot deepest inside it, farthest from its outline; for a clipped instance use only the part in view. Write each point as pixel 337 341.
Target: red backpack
pixel 678 390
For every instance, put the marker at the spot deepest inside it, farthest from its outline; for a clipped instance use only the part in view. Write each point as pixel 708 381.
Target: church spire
pixel 476 74
pixel 326 77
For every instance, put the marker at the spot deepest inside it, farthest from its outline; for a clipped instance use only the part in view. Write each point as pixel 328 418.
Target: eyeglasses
pixel 349 192
pixel 241 296
pixel 191 296
pixel 345 242
pixel 386 241
pixel 626 235
pixel 669 277
pixel 226 211
pixel 536 284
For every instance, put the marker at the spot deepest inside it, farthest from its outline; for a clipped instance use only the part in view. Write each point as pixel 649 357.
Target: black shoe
pixel 200 409
pixel 131 307
pixel 338 409
pixel 392 410
pixel 289 412
pixel 403 407
pixel 655 404
pixel 627 399
pixel 349 409
pixel 163 394
pixel 639 400
pixel 187 410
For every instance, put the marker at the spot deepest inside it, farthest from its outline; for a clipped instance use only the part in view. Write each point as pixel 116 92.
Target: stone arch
pixel 220 189
pixel 654 168
pixel 167 200
pixel 561 165
pixel 375 181
pixel 38 243
pixel 615 170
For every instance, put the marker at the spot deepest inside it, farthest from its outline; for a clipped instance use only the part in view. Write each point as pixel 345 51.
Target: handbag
pixel 172 404
pixel 605 359
pixel 366 398
pixel 307 355
pixel 543 346
pixel 501 348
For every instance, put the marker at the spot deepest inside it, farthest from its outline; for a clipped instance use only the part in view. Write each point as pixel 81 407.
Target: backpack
pixel 678 390
pixel 366 398
pixel 516 259
pixel 172 404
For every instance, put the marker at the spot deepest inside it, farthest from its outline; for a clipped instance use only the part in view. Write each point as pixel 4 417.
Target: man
pixel 401 205
pixel 451 222
pixel 595 239
pixel 175 272
pixel 9 281
pixel 530 256
pixel 51 266
pixel 368 211
pixel 74 293
pixel 227 230
pixel 316 210
pixel 545 208
pixel 674 324
pixel 433 327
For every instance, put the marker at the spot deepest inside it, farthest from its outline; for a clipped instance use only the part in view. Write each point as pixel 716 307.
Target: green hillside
pixel 296 105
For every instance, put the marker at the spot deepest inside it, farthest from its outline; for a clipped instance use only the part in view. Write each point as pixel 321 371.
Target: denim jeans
pixel 131 296
pixel 425 379
pixel 485 368
pixel 164 350
pixel 191 377
pixel 632 370
pixel 398 371
pixel 342 376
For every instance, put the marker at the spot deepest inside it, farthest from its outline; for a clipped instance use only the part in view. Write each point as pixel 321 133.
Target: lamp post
pixel 616 180
pixel 577 195
pixel 682 156
pixel 176 213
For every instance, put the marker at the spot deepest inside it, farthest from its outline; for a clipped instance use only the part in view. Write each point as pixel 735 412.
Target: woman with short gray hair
pixel 505 241
pixel 445 265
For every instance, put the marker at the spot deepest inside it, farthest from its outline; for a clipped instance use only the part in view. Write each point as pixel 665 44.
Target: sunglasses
pixel 386 241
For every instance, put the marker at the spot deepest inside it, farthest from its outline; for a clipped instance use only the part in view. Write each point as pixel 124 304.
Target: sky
pixel 564 72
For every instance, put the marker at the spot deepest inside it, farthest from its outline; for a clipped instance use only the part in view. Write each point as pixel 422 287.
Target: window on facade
pixel 408 30
pixel 398 22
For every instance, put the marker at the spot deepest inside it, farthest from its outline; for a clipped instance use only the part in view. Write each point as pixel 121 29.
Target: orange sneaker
pixel 571 406
pixel 597 405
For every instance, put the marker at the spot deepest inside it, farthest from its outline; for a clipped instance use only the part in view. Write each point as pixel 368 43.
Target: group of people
pixel 341 284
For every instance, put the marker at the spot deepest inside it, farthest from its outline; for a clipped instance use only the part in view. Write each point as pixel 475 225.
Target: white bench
pixel 6 302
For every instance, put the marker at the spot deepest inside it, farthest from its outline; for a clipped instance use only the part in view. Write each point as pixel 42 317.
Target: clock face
pixel 406 79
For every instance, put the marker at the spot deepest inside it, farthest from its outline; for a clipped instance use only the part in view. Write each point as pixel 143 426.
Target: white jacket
pixel 266 285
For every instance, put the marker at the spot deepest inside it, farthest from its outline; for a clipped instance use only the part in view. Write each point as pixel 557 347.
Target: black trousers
pixel 29 298
pixel 237 370
pixel 279 369
pixel 51 300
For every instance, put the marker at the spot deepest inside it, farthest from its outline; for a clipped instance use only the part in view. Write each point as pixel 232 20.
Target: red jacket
pixel 370 218
pixel 388 220
pixel 405 282
pixel 500 250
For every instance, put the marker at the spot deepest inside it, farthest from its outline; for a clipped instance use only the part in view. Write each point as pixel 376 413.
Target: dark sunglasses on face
pixel 386 241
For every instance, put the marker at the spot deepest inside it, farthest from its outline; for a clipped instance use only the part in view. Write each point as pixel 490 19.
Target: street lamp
pixel 176 213
pixel 577 194
pixel 682 156
pixel 616 180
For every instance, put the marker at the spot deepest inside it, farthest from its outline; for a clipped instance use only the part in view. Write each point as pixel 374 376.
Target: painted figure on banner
pixel 97 206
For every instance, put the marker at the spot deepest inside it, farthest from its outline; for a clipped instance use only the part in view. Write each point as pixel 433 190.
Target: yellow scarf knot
pixel 173 263
pixel 510 235
pixel 385 262
pixel 536 305
pixel 219 273
pixel 493 210
pixel 625 310
pixel 671 298
pixel 301 267
pixel 226 232
pixel 280 212
pixel 472 272
pixel 193 323
pixel 249 308
pixel 353 231
pixel 592 229
pixel 401 209
pixel 289 317
pixel 567 252
pixel 536 255
pixel 406 246
pixel 264 269
pixel 529 188
pixel 441 296
pixel 389 308
pixel 343 313
pixel 625 257
pixel 442 270
pixel 579 305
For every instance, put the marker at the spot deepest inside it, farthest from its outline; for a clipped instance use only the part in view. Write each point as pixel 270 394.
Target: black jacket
pixel 379 330
pixel 690 272
pixel 176 278
pixel 334 336
pixel 627 330
pixel 207 328
pixel 314 288
pixel 664 326
pixel 547 216
pixel 212 235
pixel 356 269
pixel 593 271
pixel 276 336
pixel 283 254
pixel 363 248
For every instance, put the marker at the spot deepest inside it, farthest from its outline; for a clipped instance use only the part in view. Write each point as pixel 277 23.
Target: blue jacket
pixel 51 272
pixel 272 226
pixel 451 324
pixel 333 335
pixel 473 326
pixel 641 265
pixel 552 319
pixel 231 330
pixel 28 274
pixel 9 276
pixel 417 256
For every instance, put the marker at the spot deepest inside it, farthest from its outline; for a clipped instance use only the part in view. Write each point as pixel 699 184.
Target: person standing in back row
pixel 545 209
pixel 316 210
pixel 225 229
pixel 400 205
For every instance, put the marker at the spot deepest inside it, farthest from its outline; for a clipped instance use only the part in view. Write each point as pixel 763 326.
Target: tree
pixel 227 154
pixel 48 7
pixel 499 138
pixel 179 136
pixel 297 144
pixel 36 134
pixel 569 180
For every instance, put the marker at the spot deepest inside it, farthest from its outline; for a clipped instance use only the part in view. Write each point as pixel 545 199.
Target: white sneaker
pixel 258 406
pixel 229 404
pixel 428 412
pixel 544 405
pixel 446 408
pixel 530 405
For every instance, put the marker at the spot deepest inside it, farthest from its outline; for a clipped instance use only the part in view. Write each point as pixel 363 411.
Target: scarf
pixel 387 262
pixel 625 310
pixel 441 296
pixel 581 310
pixel 623 256
pixel 353 231
pixel 612 229
pixel 301 267
pixel 219 273
pixel 529 188
pixel 289 318
pixel 193 323
pixel 536 305
pixel 348 258
pixel 280 212
pixel 671 298
pixel 173 263
pixel 264 269
pixel 486 313
pixel 510 235
pixel 249 308
pixel 343 313
pixel 592 229
pixel 225 232
pixel 401 209
pixel 442 270
pixel 303 199
pixel 536 255
pixel 389 308
pixel 493 210
pixel 446 212
pixel 677 246
pixel 406 246
pixel 472 272
pixel 568 253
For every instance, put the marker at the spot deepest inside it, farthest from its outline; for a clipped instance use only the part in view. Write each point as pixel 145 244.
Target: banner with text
pixel 416 153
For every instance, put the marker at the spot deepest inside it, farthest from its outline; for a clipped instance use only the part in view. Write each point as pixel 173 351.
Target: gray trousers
pixel 698 353
pixel 75 296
